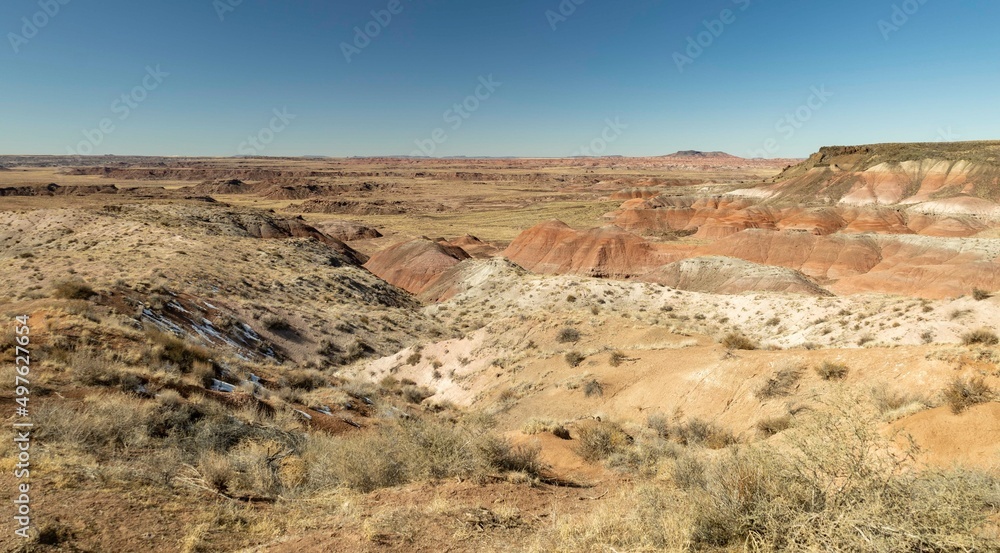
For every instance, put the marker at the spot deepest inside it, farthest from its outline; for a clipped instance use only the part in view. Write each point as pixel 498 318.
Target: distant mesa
pixel 933 177
pixel 699 154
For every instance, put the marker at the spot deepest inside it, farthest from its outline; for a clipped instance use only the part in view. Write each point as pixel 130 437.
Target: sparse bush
pixel 574 358
pixel 593 388
pixel 979 294
pixel 617 358
pixel 962 393
pixel 568 335
pixel 275 323
pixel 304 379
pixel 832 371
pixel 774 425
pixel 73 290
pixel 700 432
pixel 735 340
pixel 414 358
pixel 781 383
pixel 416 394
pixel 170 349
pixel 600 440
pixel 893 404
pixel 773 321
pixel 983 336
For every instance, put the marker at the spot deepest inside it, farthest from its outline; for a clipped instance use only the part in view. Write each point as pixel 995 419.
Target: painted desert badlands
pixel 693 352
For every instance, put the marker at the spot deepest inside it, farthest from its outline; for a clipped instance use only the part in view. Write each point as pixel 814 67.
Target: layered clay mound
pixel 824 258
pixel 553 247
pixel 474 246
pixel 472 273
pixel 718 217
pixel 415 265
pixel 726 275
pixel 888 174
pixel 347 231
pixel 637 193
pixel 376 207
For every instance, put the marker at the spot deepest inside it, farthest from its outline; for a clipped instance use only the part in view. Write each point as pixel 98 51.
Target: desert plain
pixel 690 352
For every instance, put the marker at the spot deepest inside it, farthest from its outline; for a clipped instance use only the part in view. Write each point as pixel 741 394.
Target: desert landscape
pixel 687 352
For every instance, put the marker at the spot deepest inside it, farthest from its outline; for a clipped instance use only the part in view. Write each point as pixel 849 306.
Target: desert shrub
pixel 983 336
pixel 416 394
pixel 962 393
pixel 275 323
pixel 73 290
pixel 568 335
pixel 774 425
pixel 780 383
pixel 893 404
pixel 536 426
pixel 616 358
pixel 499 454
pixel 593 388
pixel 841 487
pixel 832 371
pixel 700 432
pixel 168 349
pixel 414 358
pixel 773 321
pixel 688 472
pixel 361 389
pixel 736 340
pixel 303 379
pixel 574 358
pixel 410 450
pixel 646 517
pixel 600 440
pixel 104 425
pixel 979 294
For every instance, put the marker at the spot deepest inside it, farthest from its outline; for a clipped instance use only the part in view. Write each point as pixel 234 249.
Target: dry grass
pixel 962 393
pixel 568 335
pixel 781 383
pixel 839 486
pixel 736 340
pixel 73 290
pixel 832 371
pixel 983 336
pixel 574 358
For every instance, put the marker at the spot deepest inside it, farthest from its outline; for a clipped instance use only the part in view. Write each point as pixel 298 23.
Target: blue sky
pixel 598 76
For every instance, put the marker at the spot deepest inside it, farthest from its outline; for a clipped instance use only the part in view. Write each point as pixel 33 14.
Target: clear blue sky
pixel 936 77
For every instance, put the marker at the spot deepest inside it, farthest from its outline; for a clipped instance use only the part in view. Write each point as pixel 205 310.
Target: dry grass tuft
pixel 832 371
pixel 962 393
pixel 736 340
pixel 983 336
